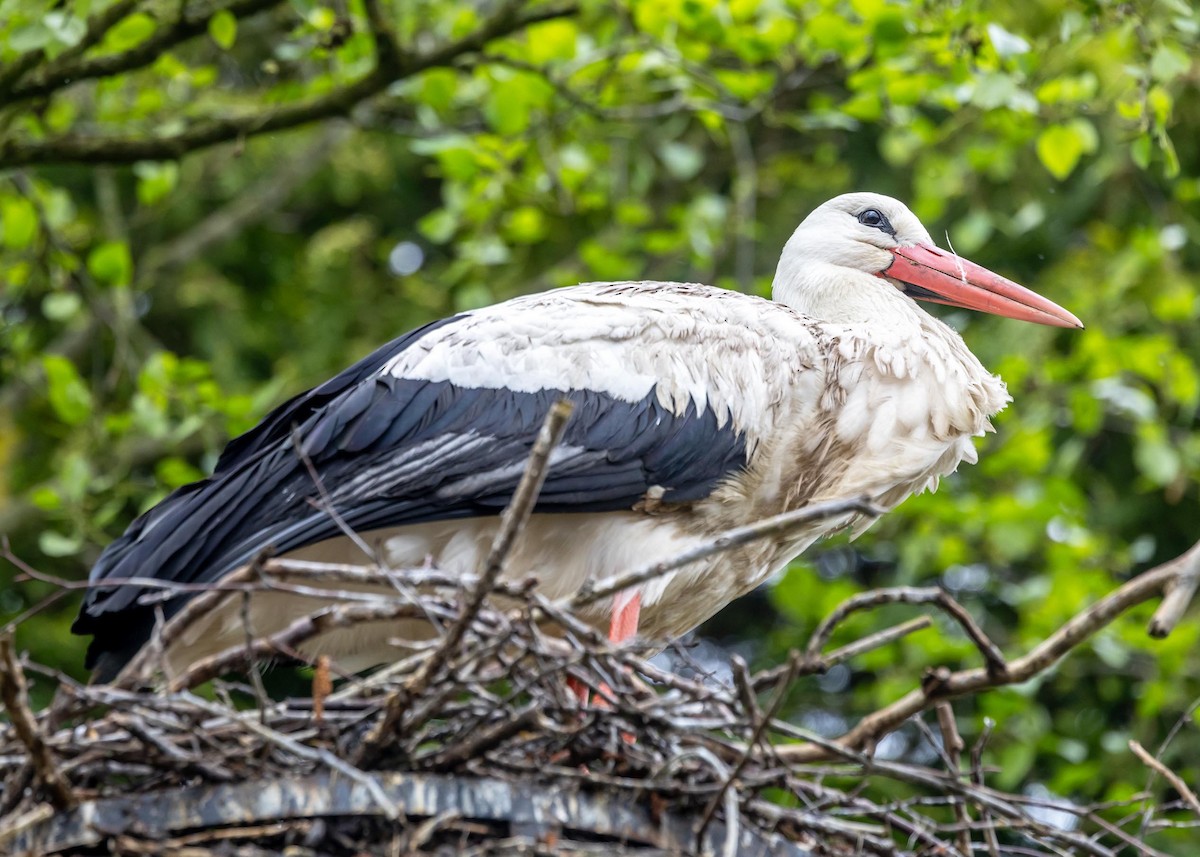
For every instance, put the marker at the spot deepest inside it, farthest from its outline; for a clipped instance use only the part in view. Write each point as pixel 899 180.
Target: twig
pixel 304 752
pixel 325 502
pixel 953 744
pixel 1176 781
pixel 779 525
pixel 142 665
pixel 939 598
pixel 322 686
pixel 15 696
pixel 305 628
pixel 512 524
pixel 810 665
pixel 760 727
pixel 977 777
pixel 874 641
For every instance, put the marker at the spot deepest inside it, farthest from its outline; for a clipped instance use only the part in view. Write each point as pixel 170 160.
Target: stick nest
pixel 481 748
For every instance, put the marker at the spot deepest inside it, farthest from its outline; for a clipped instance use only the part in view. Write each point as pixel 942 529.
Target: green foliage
pixel 159 298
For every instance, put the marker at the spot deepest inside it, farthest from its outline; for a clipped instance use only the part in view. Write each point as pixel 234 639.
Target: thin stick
pixel 313 754
pixel 305 628
pixel 977 777
pixel 875 641
pixel 779 525
pixel 15 694
pixel 953 744
pixel 512 523
pixel 137 672
pixel 823 663
pixel 939 598
pixel 759 728
pixel 1177 783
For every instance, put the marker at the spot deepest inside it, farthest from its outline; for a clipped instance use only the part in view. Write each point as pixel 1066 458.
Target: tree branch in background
pixel 390 67
pixel 939 598
pixel 946 684
pixel 263 198
pixel 97 26
pixel 191 23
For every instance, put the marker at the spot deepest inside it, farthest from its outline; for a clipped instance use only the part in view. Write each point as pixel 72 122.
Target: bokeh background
pixel 205 207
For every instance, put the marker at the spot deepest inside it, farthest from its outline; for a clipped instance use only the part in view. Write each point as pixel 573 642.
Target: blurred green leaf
pixel 18 222
pixel 110 263
pixel 222 27
pixel 130 32
pixel 68 395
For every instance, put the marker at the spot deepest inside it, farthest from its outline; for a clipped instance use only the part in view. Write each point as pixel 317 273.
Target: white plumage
pixel 730 407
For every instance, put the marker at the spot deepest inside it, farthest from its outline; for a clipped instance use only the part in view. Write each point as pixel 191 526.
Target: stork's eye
pixel 874 218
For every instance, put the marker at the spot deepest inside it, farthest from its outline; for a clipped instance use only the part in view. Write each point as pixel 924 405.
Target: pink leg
pixel 579 690
pixel 623 626
pixel 626 610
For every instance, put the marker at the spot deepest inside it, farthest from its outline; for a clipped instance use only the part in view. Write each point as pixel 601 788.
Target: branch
pixel 779 525
pixel 305 628
pixel 1176 781
pixel 948 685
pixel 910 595
pixel 98 25
pixel 337 102
pixel 263 198
pixel 65 72
pixel 15 696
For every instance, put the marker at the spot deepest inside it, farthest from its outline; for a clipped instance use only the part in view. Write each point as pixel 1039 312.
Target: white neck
pixel 841 295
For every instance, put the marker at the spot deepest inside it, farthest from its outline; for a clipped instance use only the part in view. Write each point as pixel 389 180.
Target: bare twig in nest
pixel 142 665
pixel 977 777
pixel 305 628
pixel 760 728
pixel 512 523
pixel 15 695
pixel 305 752
pixel 778 525
pixel 939 598
pixel 1176 781
pixel 953 744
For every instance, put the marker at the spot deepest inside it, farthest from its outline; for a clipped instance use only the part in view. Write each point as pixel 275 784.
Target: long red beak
pixel 943 278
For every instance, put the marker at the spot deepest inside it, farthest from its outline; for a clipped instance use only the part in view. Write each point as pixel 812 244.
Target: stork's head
pixel 855 245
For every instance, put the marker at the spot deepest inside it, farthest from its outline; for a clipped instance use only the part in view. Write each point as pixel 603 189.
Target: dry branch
pixel 1176 781
pixel 874 726
pixel 779 525
pixel 15 696
pixel 939 598
pixel 1178 593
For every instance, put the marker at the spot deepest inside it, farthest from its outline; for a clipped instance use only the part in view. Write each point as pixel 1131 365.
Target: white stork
pixel 696 410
